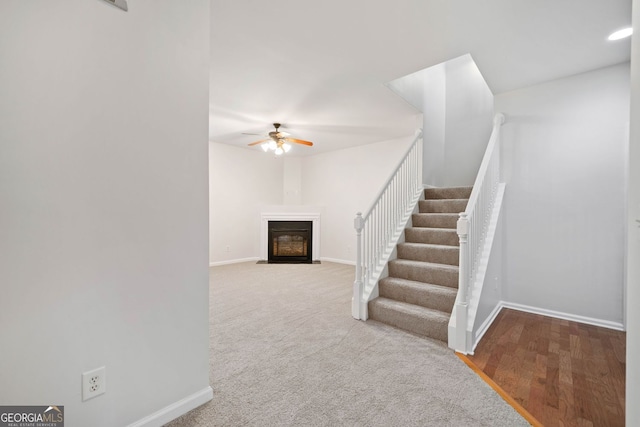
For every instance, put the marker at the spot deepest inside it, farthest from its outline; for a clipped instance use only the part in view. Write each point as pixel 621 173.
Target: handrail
pixel 498 121
pixel 378 230
pixel 472 229
pixel 393 174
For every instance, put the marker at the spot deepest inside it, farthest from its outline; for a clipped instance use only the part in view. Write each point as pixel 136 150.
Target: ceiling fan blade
pixel 299 141
pixel 259 142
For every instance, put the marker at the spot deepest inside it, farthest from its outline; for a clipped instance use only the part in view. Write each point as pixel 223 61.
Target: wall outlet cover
pixel 94 383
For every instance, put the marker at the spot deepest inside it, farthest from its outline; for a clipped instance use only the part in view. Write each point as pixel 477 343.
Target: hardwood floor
pixel 563 373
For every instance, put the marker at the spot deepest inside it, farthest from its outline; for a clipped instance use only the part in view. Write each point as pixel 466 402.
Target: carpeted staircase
pixel 419 293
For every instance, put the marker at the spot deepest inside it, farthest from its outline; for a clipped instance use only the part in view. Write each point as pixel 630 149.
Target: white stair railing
pixel 472 230
pixel 378 230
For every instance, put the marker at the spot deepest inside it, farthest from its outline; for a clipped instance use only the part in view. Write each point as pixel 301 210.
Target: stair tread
pixel 446 200
pixel 430 245
pixel 426 322
pixel 443 193
pixel 413 263
pixel 412 309
pixel 434 229
pixel 429 252
pixel 438 213
pixel 435 220
pixel 429 287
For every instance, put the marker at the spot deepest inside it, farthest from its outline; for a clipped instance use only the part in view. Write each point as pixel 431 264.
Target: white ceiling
pixel 319 67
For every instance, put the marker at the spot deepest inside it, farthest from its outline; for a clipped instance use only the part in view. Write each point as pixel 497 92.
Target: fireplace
pixel 290 242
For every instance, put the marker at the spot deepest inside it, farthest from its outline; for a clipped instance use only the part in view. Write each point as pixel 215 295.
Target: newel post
pixel 462 303
pixel 356 300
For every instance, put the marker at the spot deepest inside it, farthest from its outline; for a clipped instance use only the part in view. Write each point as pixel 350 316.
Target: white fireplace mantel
pixel 265 217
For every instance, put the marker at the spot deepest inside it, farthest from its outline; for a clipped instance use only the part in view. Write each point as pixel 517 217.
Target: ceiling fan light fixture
pixel 279 142
pixel 620 34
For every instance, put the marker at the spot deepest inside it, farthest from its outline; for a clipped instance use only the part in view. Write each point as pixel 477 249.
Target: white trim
pixel 338 261
pixel 565 316
pixel 486 324
pixel 233 261
pixel 543 312
pixel 625 259
pixel 175 410
pixel 265 217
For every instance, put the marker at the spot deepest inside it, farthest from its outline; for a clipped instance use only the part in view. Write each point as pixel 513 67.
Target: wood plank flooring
pixel 563 373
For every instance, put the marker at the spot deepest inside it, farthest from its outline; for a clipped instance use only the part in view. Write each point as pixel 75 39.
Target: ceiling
pixel 319 67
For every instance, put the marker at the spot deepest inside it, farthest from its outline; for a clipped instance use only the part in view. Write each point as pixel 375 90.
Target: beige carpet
pixel 285 351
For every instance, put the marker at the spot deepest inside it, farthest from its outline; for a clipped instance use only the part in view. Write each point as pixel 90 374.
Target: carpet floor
pixel 285 351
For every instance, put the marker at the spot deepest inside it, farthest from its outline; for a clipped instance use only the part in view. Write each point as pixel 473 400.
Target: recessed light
pixel 621 34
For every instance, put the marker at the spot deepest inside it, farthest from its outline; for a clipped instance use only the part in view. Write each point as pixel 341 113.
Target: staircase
pixel 420 291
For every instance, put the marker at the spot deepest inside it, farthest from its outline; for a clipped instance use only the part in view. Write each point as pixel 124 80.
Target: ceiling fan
pixel 279 141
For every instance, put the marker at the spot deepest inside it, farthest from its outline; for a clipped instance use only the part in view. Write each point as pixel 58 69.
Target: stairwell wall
pixel 468 122
pixel 564 152
pixel 457 107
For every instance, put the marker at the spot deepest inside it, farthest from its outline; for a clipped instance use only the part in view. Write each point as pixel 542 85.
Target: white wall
pixel 344 182
pixel 292 176
pixel 564 158
pixel 457 107
pixel 492 289
pixel 103 220
pixel 468 122
pixel 241 182
pixel 633 234
pixel 434 108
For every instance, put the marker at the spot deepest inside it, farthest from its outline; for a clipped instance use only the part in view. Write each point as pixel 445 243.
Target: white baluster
pixel 383 220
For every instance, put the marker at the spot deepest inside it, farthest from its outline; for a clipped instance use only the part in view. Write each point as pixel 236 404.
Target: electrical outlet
pixel 228 249
pixel 94 383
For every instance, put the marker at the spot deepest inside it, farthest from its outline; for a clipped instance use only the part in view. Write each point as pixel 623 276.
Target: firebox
pixel 290 242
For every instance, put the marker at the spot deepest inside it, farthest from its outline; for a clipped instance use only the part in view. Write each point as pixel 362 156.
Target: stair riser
pixel 442 206
pixel 427 274
pixel 448 193
pixel 423 298
pixel 449 256
pixel 435 237
pixel 435 221
pixel 414 324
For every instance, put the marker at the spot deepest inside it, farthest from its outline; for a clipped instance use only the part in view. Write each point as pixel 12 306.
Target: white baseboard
pixel 543 312
pixel 565 316
pixel 256 259
pixel 233 261
pixel 175 410
pixel 338 261
pixel 485 325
